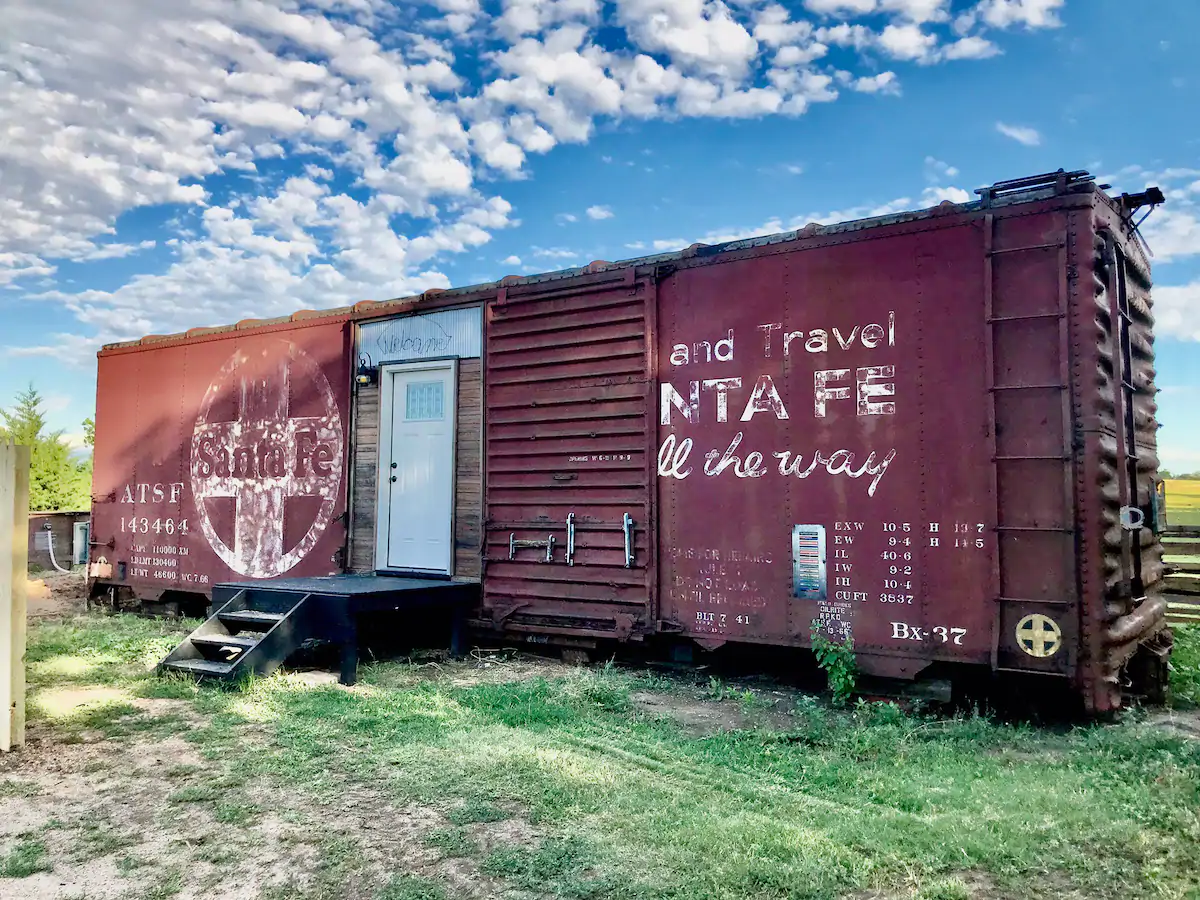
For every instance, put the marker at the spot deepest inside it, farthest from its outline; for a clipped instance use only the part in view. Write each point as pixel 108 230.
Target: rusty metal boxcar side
pixel 924 431
pixel 221 455
pixel 932 432
pixel 569 445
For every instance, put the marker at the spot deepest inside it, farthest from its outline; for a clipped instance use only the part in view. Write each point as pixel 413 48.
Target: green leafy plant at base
pixel 837 659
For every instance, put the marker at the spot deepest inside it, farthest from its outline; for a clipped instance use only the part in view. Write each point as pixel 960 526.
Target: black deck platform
pixel 284 613
pixel 361 593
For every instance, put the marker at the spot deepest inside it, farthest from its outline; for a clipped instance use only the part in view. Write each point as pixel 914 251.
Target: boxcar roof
pixel 1005 193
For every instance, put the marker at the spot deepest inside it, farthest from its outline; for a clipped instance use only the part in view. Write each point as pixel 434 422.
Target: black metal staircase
pixel 256 626
pixel 253 633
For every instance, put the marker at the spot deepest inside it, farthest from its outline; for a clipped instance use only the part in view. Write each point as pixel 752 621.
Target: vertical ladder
pixel 1004 524
pixel 1127 451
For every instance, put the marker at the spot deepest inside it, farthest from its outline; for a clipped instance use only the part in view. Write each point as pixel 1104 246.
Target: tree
pixel 56 481
pixel 89 431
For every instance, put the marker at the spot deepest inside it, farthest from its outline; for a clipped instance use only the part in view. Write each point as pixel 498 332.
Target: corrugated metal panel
pixel 567 434
pixel 1122 566
pixel 435 335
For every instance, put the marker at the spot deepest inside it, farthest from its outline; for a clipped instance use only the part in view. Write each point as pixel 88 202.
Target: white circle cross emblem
pixel 264 456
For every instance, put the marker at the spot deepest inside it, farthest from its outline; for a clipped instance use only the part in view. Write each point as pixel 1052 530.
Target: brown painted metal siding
pixel 468 488
pixel 1120 569
pixel 568 431
pixel 745 492
pixel 1029 363
pixel 222 457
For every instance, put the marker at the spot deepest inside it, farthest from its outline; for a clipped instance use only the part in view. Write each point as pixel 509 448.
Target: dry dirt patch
pixel 116 823
pixel 701 717
pixel 56 595
pixel 1183 723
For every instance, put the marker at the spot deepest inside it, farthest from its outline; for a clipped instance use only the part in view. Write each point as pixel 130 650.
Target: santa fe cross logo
pixel 265 456
pixel 1039 636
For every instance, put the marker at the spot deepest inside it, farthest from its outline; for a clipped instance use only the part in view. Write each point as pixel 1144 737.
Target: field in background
pixel 513 777
pixel 1183 502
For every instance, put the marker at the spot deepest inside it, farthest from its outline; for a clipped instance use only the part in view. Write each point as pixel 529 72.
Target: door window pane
pixel 424 401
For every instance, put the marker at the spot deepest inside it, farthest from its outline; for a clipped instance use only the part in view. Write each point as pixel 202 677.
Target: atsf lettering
pixel 157 492
pixel 265 459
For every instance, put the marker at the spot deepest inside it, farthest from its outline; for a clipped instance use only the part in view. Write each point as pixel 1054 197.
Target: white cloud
pixel 935 195
pixel 197 108
pixel 566 218
pixel 1172 233
pixel 846 35
pixel 1030 13
pixel 773 26
pixel 459 15
pixel 522 17
pixel 56 403
pixel 907 42
pixel 883 83
pixel 598 213
pixel 971 47
pixel 115 251
pixel 558 253
pixel 1022 134
pixel 701 37
pixel 911 10
pixel 511 261
pixel 918 10
pixel 935 169
pixel 1177 311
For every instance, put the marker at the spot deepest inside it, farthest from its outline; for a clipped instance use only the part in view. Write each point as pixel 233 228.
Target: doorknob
pixel 395 478
pixel 395 465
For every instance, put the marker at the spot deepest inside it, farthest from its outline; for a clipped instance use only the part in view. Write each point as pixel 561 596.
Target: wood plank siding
pixel 468 487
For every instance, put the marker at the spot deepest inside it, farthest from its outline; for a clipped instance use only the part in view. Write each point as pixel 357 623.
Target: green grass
pixel 1185 666
pixel 412 887
pixel 452 842
pixel 97 839
pixel 11 787
pixel 27 858
pixel 476 811
pixel 1183 501
pixel 615 804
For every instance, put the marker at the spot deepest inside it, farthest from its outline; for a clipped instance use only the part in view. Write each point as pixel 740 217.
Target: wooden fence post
pixel 14 563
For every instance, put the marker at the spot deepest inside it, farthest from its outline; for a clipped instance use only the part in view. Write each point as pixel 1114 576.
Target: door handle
pixel 395 465
pixel 395 478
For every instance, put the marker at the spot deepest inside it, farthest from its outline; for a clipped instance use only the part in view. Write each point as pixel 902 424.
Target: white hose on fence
pixel 50 547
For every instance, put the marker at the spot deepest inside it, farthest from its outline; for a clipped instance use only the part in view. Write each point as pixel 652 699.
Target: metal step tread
pixel 250 617
pixel 200 666
pixel 226 640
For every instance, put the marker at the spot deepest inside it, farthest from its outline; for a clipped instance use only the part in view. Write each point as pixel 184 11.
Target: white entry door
pixel 416 468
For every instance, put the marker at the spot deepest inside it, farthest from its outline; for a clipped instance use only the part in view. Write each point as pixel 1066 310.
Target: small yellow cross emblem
pixel 1039 635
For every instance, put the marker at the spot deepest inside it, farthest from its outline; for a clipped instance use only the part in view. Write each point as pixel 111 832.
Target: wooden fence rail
pixel 14 549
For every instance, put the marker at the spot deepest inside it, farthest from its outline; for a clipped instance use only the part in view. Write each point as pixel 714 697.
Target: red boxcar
pixel 933 432
pixel 221 454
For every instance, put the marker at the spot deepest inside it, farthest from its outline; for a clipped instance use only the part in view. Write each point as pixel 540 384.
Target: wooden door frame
pixel 383 469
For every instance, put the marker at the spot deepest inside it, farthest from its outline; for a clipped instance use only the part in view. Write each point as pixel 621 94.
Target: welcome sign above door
pixel 451 333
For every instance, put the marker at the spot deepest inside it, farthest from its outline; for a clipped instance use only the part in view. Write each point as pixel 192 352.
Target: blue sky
pixel 172 165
